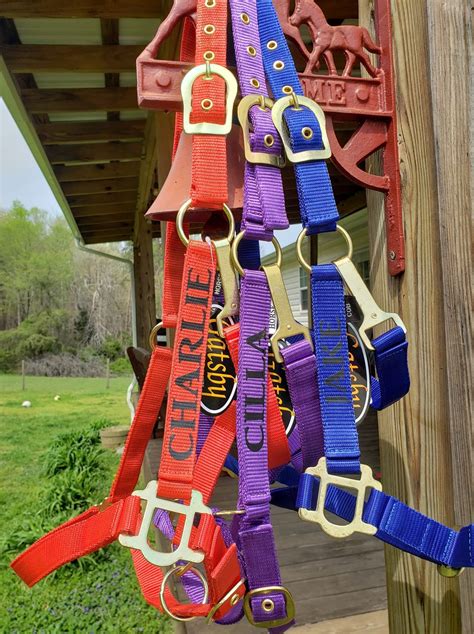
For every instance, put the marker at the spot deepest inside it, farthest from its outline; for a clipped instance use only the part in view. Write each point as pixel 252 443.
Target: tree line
pixel 57 302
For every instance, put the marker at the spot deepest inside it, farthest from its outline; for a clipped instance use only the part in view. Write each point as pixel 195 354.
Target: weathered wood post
pixel 426 439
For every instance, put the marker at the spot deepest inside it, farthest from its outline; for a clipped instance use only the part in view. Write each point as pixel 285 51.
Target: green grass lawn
pixel 105 597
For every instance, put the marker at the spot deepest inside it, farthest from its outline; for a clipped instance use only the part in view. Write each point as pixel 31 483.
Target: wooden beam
pixel 94 152
pixel 341 9
pixel 100 238
pixel 113 226
pixel 102 210
pixel 79 99
pixel 89 188
pixel 110 37
pixel 144 286
pixel 426 439
pixel 64 58
pixel 99 222
pixel 68 173
pixel 87 131
pixel 111 198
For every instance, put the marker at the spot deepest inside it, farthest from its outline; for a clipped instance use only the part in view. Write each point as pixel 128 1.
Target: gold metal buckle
pixel 205 127
pixel 357 525
pixel 183 551
pixel 289 604
pixel 234 597
pixel 373 315
pixel 264 158
pixel 295 102
pixel 448 571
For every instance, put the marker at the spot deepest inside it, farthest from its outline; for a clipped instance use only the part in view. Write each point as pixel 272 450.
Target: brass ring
pixel 170 573
pixel 235 256
pixel 301 237
pixel 153 334
pixel 180 217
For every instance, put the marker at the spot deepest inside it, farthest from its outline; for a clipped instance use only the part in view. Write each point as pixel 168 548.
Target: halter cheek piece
pixel 316 461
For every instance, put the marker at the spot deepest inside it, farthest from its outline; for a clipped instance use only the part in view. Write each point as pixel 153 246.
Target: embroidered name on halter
pixel 333 355
pixel 254 408
pixel 191 349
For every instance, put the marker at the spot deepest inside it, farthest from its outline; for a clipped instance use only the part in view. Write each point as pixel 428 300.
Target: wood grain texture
pixel 90 188
pixel 341 9
pixel 144 287
pixel 62 58
pixel 415 438
pixel 50 100
pixel 107 198
pixel 94 152
pixel 103 210
pixel 87 131
pixel 70 173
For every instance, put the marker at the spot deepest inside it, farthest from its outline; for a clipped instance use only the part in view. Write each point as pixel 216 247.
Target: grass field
pixel 104 598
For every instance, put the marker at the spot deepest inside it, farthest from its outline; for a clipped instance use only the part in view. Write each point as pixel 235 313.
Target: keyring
pixel 153 334
pixel 182 569
pixel 180 218
pixel 299 246
pixel 235 256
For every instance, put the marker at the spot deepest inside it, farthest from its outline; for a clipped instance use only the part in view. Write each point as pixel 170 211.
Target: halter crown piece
pixel 227 561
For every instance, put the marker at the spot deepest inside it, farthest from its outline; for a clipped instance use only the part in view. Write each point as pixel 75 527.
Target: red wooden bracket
pixel 369 100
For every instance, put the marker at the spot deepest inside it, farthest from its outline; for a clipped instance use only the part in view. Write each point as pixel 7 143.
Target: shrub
pixel 65 365
pixel 121 366
pixel 111 348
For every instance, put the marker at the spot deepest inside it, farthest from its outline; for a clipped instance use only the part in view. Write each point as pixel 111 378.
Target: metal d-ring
pixel 299 246
pixel 182 212
pixel 153 334
pixel 235 257
pixel 180 570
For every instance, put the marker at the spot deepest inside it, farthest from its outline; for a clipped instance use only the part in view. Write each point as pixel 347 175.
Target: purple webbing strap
pixel 302 379
pixel 264 201
pixel 255 532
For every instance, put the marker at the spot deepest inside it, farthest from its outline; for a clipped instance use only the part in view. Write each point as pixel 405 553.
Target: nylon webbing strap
pixel 391 363
pixel 187 373
pixel 341 443
pixel 317 205
pixel 209 177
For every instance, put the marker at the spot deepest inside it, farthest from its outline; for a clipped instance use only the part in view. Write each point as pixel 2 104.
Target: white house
pixel 330 247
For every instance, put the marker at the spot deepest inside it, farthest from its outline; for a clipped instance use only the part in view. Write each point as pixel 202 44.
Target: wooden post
pixel 144 280
pixel 23 377
pixel 107 374
pixel 425 441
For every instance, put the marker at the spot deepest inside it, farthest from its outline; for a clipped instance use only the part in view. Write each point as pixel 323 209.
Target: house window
pixel 303 289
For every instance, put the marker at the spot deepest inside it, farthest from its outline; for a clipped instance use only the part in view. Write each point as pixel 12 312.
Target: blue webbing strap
pixel 393 378
pixel 341 442
pixel 397 524
pixel 317 205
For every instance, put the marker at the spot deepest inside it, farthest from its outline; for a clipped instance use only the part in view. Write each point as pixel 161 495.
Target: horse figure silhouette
pixel 349 39
pixel 188 8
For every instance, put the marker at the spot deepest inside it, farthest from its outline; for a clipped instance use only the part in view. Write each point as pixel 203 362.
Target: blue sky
pixel 20 177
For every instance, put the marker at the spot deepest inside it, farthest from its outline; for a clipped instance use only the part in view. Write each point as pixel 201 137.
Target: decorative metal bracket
pixel 369 100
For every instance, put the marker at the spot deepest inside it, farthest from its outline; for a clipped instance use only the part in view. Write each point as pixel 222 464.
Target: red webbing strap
pixel 221 563
pixel 174 248
pixel 278 450
pixel 209 177
pixel 81 536
pixel 101 525
pixel 178 456
pixel 146 414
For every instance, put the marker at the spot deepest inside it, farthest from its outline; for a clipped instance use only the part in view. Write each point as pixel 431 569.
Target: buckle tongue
pixel 140 542
pixel 291 101
pixel 264 158
pixel 204 127
pixel 289 604
pixel 357 525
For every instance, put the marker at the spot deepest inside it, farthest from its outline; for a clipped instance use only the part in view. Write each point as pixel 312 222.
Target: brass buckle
pixel 289 604
pixel 291 101
pixel 264 158
pixel 183 551
pixel 205 127
pixel 357 525
pixel 234 597
pixel 180 571
pixel 447 571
